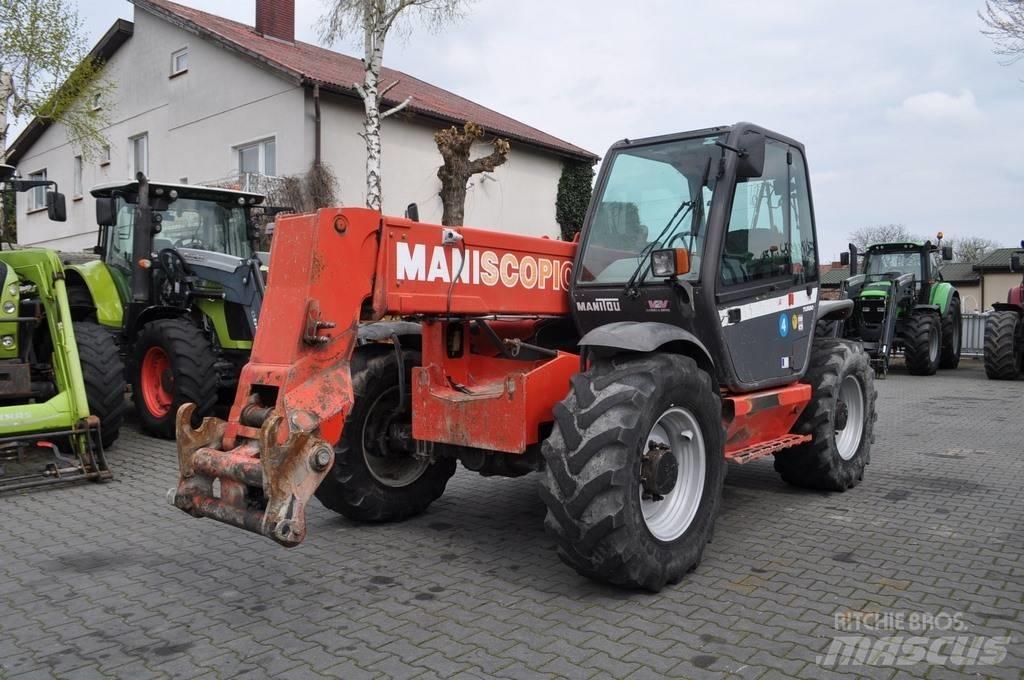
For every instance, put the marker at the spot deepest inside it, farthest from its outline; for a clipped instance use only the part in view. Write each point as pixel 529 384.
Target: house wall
pixel 194 120
pixel 518 196
pixel 997 285
pixel 970 298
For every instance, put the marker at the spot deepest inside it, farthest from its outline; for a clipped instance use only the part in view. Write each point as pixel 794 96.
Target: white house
pixel 200 98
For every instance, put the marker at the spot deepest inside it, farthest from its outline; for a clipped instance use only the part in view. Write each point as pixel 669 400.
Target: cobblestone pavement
pixel 112 581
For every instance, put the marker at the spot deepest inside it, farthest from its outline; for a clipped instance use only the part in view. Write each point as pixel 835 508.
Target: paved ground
pixel 112 581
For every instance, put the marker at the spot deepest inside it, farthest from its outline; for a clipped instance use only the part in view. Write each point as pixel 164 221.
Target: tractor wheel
pixel 922 343
pixel 1004 345
pixel 103 374
pixel 952 335
pixel 840 418
pixel 173 364
pixel 376 476
pixel 826 328
pixel 81 304
pixel 634 470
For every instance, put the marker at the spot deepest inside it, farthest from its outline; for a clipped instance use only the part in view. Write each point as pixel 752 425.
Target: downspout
pixel 316 128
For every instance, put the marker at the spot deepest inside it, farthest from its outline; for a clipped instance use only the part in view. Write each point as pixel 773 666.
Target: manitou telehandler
pixel 630 368
pixel 901 301
pixel 1004 331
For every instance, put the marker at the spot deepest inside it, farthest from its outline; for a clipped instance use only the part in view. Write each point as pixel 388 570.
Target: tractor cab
pixel 884 262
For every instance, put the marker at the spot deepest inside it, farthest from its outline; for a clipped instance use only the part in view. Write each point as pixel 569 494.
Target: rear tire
pixel 1004 345
pixel 952 335
pixel 173 364
pixel 844 395
pixel 375 479
pixel 603 525
pixel 922 342
pixel 103 374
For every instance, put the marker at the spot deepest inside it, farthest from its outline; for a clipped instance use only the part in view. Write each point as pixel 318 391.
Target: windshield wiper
pixel 631 283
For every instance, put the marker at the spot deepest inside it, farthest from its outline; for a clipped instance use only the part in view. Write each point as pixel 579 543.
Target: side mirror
pixel 1015 263
pixel 844 259
pixel 56 206
pixel 751 162
pixel 412 212
pixel 106 212
pixel 947 253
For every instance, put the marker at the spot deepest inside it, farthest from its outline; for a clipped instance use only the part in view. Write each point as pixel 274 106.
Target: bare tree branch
pixel 395 109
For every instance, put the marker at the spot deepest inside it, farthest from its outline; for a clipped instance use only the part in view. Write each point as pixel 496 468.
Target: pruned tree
pixel 881 233
pixel 43 53
pixel 1004 24
pixel 455 146
pixel 375 20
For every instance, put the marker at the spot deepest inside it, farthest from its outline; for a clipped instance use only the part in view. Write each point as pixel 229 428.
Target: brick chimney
pixel 276 19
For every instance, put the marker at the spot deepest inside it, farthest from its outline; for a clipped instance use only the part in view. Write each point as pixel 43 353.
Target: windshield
pixel 187 223
pixel 652 199
pixel 897 264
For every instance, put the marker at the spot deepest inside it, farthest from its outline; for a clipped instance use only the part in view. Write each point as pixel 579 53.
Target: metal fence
pixel 973 335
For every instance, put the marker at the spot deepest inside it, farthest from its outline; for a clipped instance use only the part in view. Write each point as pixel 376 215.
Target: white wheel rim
pixel 848 439
pixel 669 518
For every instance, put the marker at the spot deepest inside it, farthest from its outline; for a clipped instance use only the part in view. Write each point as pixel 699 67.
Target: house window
pixel 258 158
pixel 139 146
pixel 179 61
pixel 37 195
pixel 105 155
pixel 77 178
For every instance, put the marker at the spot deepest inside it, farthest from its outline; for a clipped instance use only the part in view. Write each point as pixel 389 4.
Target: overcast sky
pixel 906 113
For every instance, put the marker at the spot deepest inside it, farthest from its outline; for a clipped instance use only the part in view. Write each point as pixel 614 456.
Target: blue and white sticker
pixel 783 325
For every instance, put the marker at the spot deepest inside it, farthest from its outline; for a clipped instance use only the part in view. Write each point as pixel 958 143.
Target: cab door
pixel 767 292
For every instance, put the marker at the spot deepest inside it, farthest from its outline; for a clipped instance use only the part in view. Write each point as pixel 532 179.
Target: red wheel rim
pixel 156 382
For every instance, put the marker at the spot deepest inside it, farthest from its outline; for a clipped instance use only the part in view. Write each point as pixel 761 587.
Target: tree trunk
pixel 371 126
pixel 454 146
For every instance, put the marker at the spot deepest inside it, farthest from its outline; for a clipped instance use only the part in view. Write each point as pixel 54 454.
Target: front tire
pixel 840 418
pixel 605 470
pixel 922 342
pixel 103 375
pixel 1004 345
pixel 173 364
pixel 952 335
pixel 376 477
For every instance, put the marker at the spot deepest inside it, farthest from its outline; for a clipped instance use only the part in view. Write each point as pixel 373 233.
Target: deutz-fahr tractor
pixel 1004 331
pixel 61 383
pixel 901 301
pixel 180 285
pixel 630 367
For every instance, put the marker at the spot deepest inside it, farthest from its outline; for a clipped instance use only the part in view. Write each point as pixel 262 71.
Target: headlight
pixel 671 262
pixel 7 341
pixel 10 307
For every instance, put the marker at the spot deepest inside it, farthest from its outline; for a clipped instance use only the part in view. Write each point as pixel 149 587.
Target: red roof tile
pixel 339 72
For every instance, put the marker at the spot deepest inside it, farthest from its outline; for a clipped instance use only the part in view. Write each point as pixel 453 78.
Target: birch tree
pixel 375 20
pixel 49 75
pixel 455 146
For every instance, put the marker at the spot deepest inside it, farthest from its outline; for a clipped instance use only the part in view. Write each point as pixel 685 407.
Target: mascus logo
pixel 599 305
pixel 484 267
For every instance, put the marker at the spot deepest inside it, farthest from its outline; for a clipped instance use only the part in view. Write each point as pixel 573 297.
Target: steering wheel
pixel 190 242
pixel 173 271
pixel 678 236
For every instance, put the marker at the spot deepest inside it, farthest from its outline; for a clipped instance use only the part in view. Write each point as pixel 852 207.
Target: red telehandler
pixel 676 336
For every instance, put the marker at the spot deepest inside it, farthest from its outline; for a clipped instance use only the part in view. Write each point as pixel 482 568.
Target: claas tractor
pixel 1004 331
pixel 675 337
pixel 179 285
pixel 61 382
pixel 901 301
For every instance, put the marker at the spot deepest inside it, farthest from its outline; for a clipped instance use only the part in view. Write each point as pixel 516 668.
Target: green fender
pixel 942 293
pixel 10 297
pixel 103 288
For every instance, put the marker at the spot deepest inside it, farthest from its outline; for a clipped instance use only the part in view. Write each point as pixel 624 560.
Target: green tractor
pixel 901 301
pixel 180 284
pixel 61 382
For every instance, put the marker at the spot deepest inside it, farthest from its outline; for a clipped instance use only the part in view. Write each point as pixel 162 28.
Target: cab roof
pixel 195 191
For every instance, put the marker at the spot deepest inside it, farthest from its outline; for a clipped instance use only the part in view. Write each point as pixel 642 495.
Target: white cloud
pixel 938 106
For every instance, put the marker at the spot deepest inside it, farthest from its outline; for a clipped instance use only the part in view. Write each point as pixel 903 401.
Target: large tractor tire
pixel 840 418
pixel 634 470
pixel 922 343
pixel 173 364
pixel 376 476
pixel 952 335
pixel 103 374
pixel 1004 345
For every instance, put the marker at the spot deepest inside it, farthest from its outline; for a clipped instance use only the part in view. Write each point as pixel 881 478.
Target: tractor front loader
pixel 677 336
pixel 1004 331
pixel 61 385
